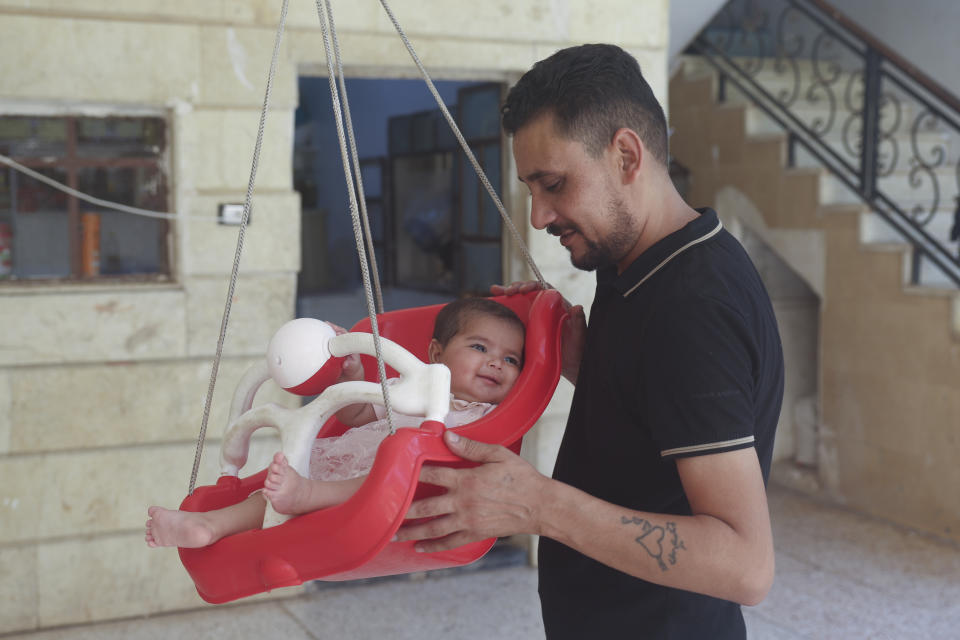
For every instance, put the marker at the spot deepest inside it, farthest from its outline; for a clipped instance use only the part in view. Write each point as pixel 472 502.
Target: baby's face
pixel 484 358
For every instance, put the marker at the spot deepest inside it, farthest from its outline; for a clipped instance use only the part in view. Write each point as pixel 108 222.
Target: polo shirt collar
pixel 662 252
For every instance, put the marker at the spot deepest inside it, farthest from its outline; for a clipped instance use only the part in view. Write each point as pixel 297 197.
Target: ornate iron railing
pixel 884 129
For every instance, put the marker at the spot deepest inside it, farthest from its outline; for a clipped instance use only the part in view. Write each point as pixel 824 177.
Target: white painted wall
pixel 687 18
pixel 922 31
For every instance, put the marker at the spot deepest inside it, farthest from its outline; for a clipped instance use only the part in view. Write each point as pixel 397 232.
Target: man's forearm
pixel 699 553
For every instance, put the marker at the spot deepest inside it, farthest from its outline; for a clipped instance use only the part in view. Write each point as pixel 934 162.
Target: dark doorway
pixel 436 232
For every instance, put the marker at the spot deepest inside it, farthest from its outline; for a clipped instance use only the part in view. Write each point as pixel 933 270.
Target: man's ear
pixel 629 153
pixel 433 351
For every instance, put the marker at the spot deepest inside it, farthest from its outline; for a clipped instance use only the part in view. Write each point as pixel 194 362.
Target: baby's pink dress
pixel 351 454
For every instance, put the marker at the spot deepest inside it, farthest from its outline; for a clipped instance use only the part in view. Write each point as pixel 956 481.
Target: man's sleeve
pixel 700 385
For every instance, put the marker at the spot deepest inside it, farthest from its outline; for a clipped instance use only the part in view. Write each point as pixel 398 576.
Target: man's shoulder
pixel 718 270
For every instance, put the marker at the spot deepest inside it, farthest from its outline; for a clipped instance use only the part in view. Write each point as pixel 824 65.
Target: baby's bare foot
pixel 168 528
pixel 287 490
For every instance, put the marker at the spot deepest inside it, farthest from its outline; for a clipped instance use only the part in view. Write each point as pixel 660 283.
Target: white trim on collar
pixel 673 255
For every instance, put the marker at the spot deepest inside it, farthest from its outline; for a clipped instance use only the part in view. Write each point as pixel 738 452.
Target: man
pixel 655 523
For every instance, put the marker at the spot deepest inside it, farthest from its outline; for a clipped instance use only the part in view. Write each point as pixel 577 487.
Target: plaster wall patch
pixel 238 58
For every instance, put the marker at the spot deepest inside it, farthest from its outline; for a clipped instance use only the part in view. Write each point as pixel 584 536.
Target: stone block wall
pixel 102 385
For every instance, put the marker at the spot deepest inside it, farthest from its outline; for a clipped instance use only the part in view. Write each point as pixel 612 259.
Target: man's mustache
pixel 558 230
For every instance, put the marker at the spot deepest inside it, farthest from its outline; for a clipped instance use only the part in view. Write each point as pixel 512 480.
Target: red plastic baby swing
pixel 352 540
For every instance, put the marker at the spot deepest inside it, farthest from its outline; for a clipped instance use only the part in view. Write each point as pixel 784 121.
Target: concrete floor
pixel 839 575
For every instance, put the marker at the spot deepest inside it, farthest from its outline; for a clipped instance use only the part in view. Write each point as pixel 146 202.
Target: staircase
pixel 889 353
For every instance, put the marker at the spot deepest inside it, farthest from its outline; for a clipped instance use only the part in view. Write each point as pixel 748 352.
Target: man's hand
pixel 501 497
pixel 574 329
pixel 574 339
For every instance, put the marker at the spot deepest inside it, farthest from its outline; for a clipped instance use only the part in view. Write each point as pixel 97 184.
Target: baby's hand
pixel 352 368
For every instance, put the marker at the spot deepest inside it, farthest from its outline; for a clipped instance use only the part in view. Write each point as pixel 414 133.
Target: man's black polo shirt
pixel 682 358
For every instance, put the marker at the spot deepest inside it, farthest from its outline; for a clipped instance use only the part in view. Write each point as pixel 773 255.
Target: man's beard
pixel 606 251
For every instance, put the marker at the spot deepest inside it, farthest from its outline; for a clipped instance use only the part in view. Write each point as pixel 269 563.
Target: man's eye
pixel 479 347
pixel 554 187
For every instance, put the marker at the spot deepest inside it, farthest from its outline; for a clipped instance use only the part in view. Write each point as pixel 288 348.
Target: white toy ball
pixel 297 352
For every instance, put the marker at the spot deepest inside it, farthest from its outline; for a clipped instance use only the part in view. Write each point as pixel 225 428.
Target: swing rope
pixel 355 157
pixel 236 258
pixel 354 211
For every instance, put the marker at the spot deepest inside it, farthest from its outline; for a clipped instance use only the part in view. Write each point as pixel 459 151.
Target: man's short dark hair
pixel 592 90
pixel 454 316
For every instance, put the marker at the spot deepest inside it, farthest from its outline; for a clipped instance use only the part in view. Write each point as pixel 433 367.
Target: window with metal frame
pixel 47 234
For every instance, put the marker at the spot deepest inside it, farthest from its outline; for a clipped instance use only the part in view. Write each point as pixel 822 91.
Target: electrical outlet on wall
pixel 231 214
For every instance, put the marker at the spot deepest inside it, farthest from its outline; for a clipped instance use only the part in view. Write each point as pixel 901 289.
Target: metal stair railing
pixel 866 114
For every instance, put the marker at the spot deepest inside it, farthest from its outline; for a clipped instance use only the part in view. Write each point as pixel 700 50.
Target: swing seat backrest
pixel 353 540
pixel 413 328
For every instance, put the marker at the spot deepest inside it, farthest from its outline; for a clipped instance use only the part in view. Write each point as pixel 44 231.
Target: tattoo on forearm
pixel 662 543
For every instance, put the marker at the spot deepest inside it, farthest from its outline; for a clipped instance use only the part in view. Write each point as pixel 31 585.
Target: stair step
pixel 696 64
pixel 853 208
pixel 879 235
pixel 933 277
pixel 816 118
pixel 875 229
pixel 897 187
pixel 693 89
pixel 937 292
pixel 940 291
pixel 929 145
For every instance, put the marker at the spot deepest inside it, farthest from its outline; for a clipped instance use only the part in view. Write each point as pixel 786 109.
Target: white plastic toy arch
pixel 296 352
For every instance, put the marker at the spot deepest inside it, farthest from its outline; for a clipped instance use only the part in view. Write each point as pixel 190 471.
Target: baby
pixel 479 340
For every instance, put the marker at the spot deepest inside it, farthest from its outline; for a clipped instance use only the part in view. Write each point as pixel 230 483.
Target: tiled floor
pixel 839 576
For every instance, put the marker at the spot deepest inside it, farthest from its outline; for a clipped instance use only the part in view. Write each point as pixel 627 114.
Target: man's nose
pixel 541 214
